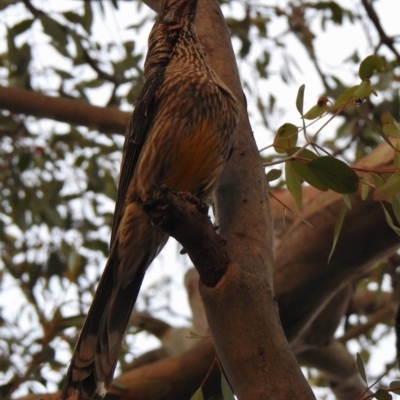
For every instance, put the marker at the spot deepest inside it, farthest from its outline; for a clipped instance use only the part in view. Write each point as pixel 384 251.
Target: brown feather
pixel 181 134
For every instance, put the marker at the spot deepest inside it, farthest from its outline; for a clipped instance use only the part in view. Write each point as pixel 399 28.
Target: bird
pixel 181 134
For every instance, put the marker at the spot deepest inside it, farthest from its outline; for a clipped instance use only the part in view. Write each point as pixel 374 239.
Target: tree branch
pixel 186 220
pixel 383 315
pixel 303 272
pixel 254 353
pixel 373 16
pixel 338 367
pixel 75 112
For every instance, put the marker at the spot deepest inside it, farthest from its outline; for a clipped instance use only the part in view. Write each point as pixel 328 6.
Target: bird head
pixel 178 14
pixel 176 19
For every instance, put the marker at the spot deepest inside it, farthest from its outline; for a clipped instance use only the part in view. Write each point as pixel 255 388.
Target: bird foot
pixel 200 205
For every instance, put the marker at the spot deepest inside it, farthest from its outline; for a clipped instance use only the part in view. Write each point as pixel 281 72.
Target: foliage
pixel 327 172
pixel 58 181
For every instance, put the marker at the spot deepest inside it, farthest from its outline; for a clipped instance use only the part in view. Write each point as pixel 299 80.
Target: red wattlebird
pixel 181 134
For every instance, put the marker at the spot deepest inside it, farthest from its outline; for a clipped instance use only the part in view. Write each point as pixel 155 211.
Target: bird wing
pixel 81 374
pixel 135 137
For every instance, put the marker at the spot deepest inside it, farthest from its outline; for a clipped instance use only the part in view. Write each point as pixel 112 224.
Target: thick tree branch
pixel 186 219
pixel 383 315
pixel 339 368
pixel 75 112
pixel 256 347
pixel 255 354
pixel 304 272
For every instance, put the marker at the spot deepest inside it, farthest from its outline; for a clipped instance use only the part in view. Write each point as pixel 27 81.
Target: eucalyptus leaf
pixel 361 368
pixel 286 137
pixel 389 220
pixel 227 393
pixel 293 183
pixel 395 387
pixel 388 189
pixel 338 227
pixel 273 174
pixel 198 394
pixel 382 394
pixel 369 66
pixel 300 99
pixel 335 174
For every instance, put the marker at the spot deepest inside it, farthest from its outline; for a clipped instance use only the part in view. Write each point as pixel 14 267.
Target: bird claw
pixel 200 205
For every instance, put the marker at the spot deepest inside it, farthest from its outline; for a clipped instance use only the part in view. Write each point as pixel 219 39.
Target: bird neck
pixel 187 49
pixel 161 44
pixel 180 44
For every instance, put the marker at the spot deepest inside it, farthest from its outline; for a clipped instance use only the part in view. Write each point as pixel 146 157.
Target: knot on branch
pixel 185 218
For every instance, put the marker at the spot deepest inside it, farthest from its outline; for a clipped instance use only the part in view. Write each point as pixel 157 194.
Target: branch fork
pixel 185 218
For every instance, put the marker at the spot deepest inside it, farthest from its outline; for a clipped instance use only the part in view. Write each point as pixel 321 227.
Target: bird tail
pixel 96 353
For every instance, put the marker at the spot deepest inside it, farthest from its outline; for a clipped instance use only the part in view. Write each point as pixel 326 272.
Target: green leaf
pixel 335 174
pixel 63 74
pixel 396 206
pixel 395 387
pixel 22 26
pixel 361 368
pixel 345 98
pixel 5 389
pixel 95 83
pixel 79 58
pixel 308 175
pixel 55 266
pixel 347 201
pixel 227 393
pixel 396 160
pixel 198 394
pixel 300 164
pixel 97 244
pixel 273 174
pixel 364 90
pixel 293 183
pixel 53 29
pixel 382 394
pixel 365 189
pixel 388 189
pixel 378 181
pixel 24 161
pixel 352 94
pixel 318 110
pixel 12 48
pixel 300 99
pixel 286 137
pixel 129 47
pixel 338 227
pixel 390 126
pixel 336 10
pixel 369 66
pixel 194 335
pixel 304 155
pixel 87 17
pixel 73 17
pixel 75 321
pixel 389 220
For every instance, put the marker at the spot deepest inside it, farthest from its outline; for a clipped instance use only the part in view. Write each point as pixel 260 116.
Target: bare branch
pixel 384 39
pixel 75 112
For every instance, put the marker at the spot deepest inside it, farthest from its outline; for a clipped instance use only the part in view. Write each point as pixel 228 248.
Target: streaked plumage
pixel 181 133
